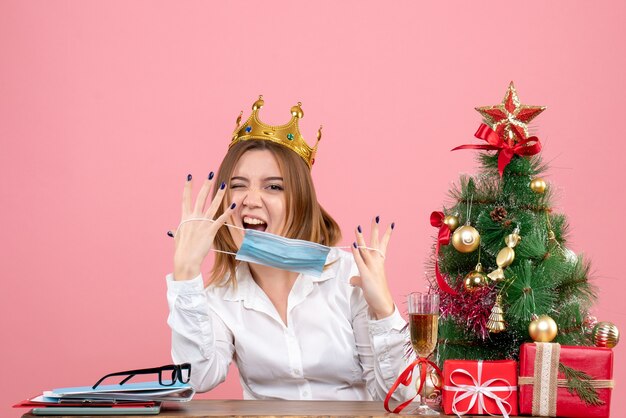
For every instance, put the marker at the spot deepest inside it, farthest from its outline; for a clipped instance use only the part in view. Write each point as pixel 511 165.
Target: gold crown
pixel 287 135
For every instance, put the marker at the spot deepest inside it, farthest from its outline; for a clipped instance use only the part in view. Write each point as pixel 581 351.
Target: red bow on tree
pixel 443 238
pixel 507 149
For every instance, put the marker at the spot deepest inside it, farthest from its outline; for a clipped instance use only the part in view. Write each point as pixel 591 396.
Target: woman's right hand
pixel 194 239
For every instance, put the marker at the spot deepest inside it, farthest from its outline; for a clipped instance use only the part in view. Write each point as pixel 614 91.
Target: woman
pixel 292 335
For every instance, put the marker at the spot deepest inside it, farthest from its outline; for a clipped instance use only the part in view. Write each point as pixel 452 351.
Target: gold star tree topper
pixel 510 118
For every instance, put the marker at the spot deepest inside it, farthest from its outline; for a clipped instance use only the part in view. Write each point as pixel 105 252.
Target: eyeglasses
pixel 179 372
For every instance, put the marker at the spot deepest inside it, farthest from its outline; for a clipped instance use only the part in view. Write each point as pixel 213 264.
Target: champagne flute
pixel 423 323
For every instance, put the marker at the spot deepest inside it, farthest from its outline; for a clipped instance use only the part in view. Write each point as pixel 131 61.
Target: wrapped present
pixel 566 381
pixel 480 387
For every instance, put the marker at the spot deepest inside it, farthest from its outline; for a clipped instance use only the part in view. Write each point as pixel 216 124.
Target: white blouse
pixel 330 349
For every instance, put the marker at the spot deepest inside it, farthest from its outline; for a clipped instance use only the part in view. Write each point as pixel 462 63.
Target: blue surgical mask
pixel 271 250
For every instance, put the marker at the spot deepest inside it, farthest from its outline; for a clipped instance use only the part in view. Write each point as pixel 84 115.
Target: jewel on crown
pixel 287 135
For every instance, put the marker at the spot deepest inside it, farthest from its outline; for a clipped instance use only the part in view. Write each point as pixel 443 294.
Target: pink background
pixel 106 106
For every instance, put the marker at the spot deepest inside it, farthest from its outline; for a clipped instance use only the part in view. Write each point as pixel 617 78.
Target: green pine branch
pixel 529 292
pixel 570 322
pixel 456 342
pixel 576 284
pixel 560 227
pixel 479 190
pixel 532 166
pixel 533 244
pixel 578 383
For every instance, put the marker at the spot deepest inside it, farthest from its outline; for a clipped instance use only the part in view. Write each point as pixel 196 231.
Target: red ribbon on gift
pixel 443 238
pixel 525 147
pixel 405 380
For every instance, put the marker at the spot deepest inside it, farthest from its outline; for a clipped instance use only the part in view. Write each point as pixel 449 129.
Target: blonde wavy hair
pixel 306 218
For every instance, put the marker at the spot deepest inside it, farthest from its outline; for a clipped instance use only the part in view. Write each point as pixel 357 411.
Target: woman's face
pixel 257 187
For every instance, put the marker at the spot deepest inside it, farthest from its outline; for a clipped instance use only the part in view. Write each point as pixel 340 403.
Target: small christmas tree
pixel 502 222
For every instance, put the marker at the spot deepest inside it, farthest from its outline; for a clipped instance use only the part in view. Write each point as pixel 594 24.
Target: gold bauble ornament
pixel 466 239
pixel 452 221
pixel 475 279
pixel 605 334
pixel 538 185
pixel 430 385
pixel 543 329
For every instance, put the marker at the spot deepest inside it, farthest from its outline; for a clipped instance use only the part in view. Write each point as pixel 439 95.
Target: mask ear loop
pixel 366 248
pixel 243 229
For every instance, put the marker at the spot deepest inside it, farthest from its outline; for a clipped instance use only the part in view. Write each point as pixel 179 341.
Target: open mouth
pixel 254 223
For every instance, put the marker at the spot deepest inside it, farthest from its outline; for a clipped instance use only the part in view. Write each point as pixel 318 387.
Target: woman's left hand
pixel 371 264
